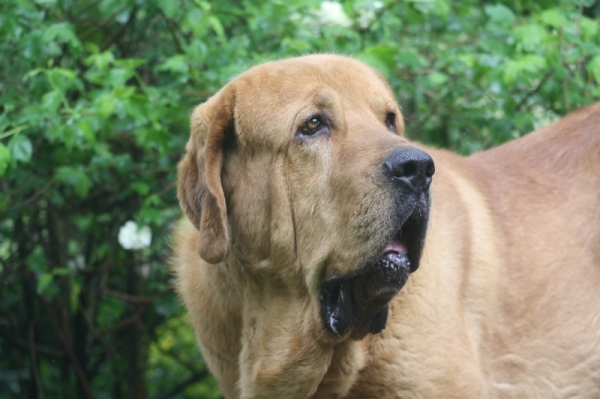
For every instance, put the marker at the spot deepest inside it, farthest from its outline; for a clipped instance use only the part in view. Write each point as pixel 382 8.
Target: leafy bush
pixel 95 98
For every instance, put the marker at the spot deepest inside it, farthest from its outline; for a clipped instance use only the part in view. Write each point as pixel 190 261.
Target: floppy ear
pixel 199 187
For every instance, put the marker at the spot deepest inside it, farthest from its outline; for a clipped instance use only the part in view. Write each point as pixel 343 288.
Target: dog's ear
pixel 199 187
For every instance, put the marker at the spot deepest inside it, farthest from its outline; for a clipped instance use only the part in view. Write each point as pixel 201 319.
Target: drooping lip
pixel 358 302
pixel 387 275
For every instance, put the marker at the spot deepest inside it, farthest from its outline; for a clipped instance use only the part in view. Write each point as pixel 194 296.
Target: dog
pixel 326 256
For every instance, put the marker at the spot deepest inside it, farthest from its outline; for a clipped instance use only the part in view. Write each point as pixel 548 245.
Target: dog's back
pixel 544 192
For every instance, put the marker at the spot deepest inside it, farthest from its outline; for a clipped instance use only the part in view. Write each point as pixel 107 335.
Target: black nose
pixel 411 166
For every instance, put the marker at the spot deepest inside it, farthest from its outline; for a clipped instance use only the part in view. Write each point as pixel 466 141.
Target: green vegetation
pixel 94 103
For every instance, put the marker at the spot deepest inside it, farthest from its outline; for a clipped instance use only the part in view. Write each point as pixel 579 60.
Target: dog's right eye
pixel 390 121
pixel 315 125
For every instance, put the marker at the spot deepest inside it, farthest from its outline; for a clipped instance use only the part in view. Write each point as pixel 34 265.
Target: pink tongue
pixel 396 245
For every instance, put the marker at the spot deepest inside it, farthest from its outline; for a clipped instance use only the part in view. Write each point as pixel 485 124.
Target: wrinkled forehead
pixel 273 93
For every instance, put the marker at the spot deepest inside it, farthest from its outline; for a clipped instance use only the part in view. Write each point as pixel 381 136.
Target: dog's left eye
pixel 314 126
pixel 390 121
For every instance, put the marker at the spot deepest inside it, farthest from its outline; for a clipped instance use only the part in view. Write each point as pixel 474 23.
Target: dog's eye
pixel 313 126
pixel 390 121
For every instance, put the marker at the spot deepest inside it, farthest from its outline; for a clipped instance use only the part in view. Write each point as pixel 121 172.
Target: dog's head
pixel 297 173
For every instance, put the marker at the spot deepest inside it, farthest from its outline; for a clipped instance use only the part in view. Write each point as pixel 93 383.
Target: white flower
pixel 332 13
pixel 133 237
pixel 367 12
pixel 365 17
pixel 542 116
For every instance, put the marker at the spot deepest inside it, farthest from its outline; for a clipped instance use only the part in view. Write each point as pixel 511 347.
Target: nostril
pixel 430 169
pixel 406 169
pixel 411 166
pixel 394 170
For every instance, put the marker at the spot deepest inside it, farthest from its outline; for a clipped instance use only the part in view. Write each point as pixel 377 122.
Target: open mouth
pixel 388 275
pixel 359 301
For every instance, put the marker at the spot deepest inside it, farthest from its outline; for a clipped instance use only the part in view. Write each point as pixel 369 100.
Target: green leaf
pixel 52 100
pixel 530 36
pixel 527 65
pixel 137 106
pixel 533 62
pixel 169 7
pixel 86 130
pixel 217 27
pixel 20 148
pixel 66 73
pixel 436 7
pixel 47 286
pixel 123 93
pixel 100 60
pixel 411 59
pixel 74 295
pixel 589 28
pixel 44 281
pixel 4 159
pixel 75 178
pixel 177 63
pixel 594 68
pixel 140 188
pixel 205 5
pixel 62 33
pixel 118 77
pixel 380 58
pixel 468 60
pixel 32 73
pixel 65 174
pixel 82 186
pixel 130 63
pixel 4 125
pixel 36 261
pixel 438 78
pixel 61 271
pixel 555 18
pixel 106 104
pixel 500 14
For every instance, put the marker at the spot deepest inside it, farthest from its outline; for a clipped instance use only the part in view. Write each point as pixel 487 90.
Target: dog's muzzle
pixel 358 302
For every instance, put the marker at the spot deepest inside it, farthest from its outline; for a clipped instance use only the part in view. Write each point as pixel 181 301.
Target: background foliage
pixel 94 103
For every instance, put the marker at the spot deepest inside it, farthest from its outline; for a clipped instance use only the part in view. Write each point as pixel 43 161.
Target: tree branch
pixel 184 384
pixel 129 297
pixel 173 32
pixel 68 349
pixel 34 363
pixel 107 43
pixel 27 347
pixel 527 96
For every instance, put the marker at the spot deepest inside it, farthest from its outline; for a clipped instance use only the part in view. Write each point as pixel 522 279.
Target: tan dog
pixel 309 209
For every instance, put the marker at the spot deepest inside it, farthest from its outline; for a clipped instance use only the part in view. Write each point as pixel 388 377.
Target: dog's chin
pixel 357 303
